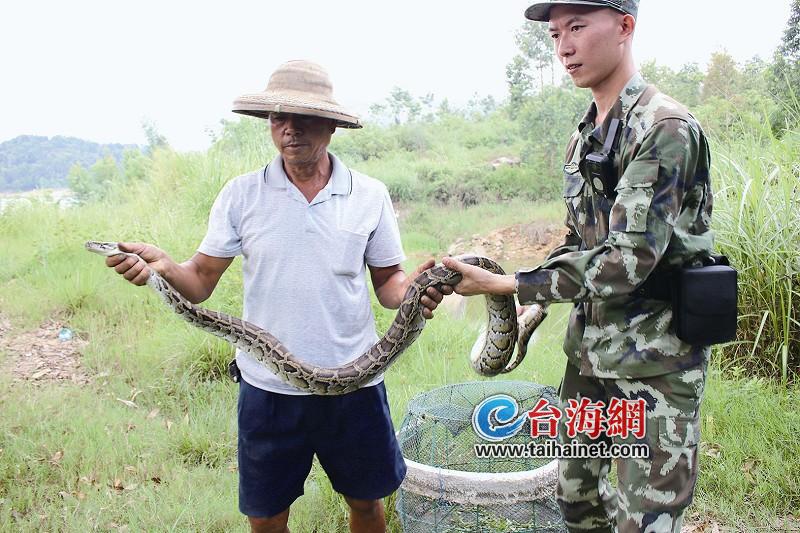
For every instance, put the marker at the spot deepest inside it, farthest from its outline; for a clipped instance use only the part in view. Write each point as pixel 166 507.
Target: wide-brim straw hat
pixel 299 87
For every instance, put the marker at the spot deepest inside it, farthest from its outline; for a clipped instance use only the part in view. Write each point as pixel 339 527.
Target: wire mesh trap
pixel 448 488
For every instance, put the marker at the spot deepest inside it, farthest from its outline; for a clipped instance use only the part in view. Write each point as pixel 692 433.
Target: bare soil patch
pixel 518 245
pixel 527 243
pixel 39 357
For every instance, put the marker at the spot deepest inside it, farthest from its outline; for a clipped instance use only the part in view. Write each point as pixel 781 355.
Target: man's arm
pixel 391 283
pixel 195 279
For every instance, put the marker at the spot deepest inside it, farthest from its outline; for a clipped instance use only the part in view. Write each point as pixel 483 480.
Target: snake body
pixel 491 353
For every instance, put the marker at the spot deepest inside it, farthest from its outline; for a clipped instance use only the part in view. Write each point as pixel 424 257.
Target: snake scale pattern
pixel 491 354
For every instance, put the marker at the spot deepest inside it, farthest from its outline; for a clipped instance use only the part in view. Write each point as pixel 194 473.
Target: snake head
pixel 101 247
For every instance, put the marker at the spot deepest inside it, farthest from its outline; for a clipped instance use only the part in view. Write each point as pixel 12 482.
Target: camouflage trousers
pixel 651 494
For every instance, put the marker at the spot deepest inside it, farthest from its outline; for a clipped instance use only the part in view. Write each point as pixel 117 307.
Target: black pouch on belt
pixel 704 300
pixel 704 303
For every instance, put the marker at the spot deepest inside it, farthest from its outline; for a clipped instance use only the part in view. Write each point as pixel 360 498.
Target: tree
pixel 80 181
pixel 790 48
pixel 784 78
pixel 28 162
pixel 154 138
pixel 723 78
pixel 685 85
pixel 547 119
pixel 519 81
pixel 96 182
pixel 754 77
pixel 535 43
pixel 401 106
pixel 135 165
pixel 535 54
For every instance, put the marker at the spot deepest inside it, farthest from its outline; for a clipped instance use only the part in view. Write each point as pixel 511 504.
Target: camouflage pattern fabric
pixel 541 10
pixel 658 221
pixel 651 494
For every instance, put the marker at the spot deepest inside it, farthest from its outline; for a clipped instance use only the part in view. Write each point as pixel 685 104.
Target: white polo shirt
pixel 304 262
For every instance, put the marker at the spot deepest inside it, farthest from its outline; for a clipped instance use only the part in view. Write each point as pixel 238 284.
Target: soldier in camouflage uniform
pixel 620 342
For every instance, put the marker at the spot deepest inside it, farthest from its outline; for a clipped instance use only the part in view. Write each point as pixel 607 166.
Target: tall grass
pixel 757 216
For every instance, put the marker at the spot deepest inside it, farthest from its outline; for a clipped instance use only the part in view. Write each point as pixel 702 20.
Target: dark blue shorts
pixel 352 436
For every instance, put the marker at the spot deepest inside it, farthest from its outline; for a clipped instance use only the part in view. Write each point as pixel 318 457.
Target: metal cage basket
pixel 449 488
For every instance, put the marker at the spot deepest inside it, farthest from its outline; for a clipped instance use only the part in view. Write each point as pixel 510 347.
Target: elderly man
pixel 638 197
pixel 306 226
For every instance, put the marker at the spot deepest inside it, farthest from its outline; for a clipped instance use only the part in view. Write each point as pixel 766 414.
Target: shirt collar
pixel 340 182
pixel 628 97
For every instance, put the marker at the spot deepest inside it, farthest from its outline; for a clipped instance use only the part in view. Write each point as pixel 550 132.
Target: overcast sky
pixel 96 69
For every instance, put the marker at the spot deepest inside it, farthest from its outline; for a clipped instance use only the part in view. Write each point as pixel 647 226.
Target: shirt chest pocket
pixel 349 258
pixel 634 196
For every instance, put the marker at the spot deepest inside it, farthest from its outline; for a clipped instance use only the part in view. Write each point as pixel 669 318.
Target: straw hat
pixel 299 87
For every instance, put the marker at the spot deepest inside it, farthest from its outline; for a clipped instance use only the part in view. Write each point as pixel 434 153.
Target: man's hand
pixel 432 297
pixel 475 280
pixel 135 270
pixel 391 285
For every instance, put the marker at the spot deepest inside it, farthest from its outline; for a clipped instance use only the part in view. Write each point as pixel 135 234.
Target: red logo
pixel 544 415
pixel 621 419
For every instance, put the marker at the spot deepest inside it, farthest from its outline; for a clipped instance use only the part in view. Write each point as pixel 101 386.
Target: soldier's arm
pixel 649 200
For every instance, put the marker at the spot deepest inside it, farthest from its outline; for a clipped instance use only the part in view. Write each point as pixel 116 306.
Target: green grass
pixel 754 426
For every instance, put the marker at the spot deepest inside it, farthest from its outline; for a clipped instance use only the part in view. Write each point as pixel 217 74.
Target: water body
pixel 64 198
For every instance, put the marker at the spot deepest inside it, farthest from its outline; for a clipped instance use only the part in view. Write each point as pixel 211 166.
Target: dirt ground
pixel 512 246
pixel 518 244
pixel 39 356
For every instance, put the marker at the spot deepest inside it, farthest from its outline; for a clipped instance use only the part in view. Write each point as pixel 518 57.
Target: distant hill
pixel 31 162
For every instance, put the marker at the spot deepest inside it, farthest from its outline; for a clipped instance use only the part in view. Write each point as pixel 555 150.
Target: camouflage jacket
pixel 659 220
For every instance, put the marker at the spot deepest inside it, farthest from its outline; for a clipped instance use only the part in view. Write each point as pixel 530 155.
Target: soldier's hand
pixel 134 269
pixel 475 280
pixel 433 296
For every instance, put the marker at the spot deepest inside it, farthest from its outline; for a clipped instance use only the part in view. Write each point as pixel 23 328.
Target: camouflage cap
pixel 541 10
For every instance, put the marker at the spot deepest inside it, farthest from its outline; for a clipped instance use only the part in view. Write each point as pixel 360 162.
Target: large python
pixel 491 354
